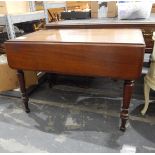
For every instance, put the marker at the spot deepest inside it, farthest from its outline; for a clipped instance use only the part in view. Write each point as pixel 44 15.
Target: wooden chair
pixel 149 79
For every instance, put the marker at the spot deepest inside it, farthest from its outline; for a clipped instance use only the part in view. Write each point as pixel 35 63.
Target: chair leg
pixel 146 96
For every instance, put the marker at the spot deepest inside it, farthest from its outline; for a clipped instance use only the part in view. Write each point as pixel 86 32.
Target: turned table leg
pixel 25 98
pixel 51 79
pixel 127 93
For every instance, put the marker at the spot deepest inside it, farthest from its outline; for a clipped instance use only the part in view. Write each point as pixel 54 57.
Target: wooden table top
pixel 105 20
pixel 96 36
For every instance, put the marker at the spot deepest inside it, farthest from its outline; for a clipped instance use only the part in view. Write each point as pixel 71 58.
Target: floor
pixel 77 115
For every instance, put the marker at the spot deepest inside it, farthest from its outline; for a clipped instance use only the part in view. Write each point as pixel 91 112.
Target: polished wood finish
pixel 146 25
pixel 25 98
pixel 128 89
pixel 98 36
pixel 79 54
pixel 88 52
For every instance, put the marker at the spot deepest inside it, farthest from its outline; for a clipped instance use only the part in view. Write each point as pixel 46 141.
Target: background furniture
pixel 149 80
pixel 10 20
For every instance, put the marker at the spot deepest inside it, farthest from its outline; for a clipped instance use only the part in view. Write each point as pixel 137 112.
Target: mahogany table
pixel 116 53
pixel 146 25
